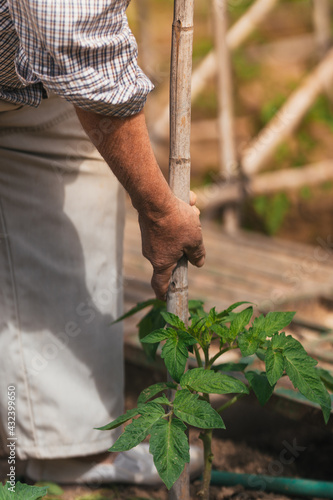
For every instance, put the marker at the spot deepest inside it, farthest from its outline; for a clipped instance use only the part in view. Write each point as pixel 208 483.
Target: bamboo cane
pixel 213 197
pixel 292 178
pixel 180 165
pixel 322 17
pixel 322 25
pixel 206 70
pixel 255 157
pixel 227 146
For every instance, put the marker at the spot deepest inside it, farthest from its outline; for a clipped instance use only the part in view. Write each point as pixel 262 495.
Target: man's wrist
pixel 155 205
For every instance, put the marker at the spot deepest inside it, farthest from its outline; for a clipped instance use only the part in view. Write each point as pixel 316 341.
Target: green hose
pixel 290 486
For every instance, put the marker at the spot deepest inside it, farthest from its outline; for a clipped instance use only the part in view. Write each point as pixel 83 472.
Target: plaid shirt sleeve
pixel 83 50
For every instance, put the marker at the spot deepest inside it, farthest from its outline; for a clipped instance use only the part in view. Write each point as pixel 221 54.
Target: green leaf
pixel 226 312
pixel 212 316
pixel 278 341
pixel 222 331
pixel 21 492
pixel 120 420
pixel 52 488
pixel 208 381
pixel 240 321
pixel 175 354
pixel 248 344
pixel 271 323
pixel 262 327
pixel 150 322
pixel 193 411
pixel 185 337
pixel 261 353
pixel 133 434
pixel 158 335
pixel 162 400
pixel 173 320
pixel 300 368
pixel 258 327
pixel 260 385
pixel 274 361
pixel 195 307
pixel 151 391
pixel 139 307
pixel 170 449
pixel 230 367
pixel 197 325
pixel 138 430
pixel 326 377
pixel 151 409
pixel 276 321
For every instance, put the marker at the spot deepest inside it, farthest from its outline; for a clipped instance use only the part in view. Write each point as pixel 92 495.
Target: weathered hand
pixel 167 236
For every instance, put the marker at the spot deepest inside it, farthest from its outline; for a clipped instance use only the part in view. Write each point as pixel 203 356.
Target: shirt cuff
pixel 94 89
pixel 91 91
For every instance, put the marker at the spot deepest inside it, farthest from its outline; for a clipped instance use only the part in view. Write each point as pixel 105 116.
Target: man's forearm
pixel 124 144
pixel 169 227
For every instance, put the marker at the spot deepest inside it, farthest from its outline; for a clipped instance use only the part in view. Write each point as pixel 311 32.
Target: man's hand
pixel 165 239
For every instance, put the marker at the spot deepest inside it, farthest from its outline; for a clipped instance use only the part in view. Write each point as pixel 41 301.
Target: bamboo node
pixel 180 161
pixel 178 27
pixel 174 289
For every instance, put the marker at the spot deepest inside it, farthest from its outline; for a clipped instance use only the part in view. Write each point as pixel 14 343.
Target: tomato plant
pixel 165 419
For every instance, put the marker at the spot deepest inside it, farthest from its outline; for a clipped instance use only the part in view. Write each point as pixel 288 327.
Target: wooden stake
pixel 206 70
pixel 255 157
pixel 214 197
pixel 322 17
pixel 237 35
pixel 180 165
pixel 227 147
pixel 322 23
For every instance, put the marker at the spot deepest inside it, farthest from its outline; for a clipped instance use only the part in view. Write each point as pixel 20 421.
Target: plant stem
pixel 206 437
pixel 197 356
pixel 230 403
pixel 222 351
pixel 207 365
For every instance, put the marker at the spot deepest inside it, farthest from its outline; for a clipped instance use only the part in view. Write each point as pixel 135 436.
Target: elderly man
pixel 68 71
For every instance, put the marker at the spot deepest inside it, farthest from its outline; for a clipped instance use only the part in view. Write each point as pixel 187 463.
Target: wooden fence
pixel 240 170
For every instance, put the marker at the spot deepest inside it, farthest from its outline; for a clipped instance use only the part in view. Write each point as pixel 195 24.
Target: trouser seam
pixel 13 283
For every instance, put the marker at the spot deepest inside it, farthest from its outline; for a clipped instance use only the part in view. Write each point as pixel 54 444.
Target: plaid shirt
pixel 83 50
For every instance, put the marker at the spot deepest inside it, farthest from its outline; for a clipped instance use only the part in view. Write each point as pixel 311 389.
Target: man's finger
pixel 195 210
pixel 193 198
pixel 160 281
pixel 196 255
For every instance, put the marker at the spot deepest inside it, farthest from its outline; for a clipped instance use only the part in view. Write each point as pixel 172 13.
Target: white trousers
pixel 61 232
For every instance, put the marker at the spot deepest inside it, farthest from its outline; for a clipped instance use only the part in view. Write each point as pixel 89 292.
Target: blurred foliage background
pixel 266 69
